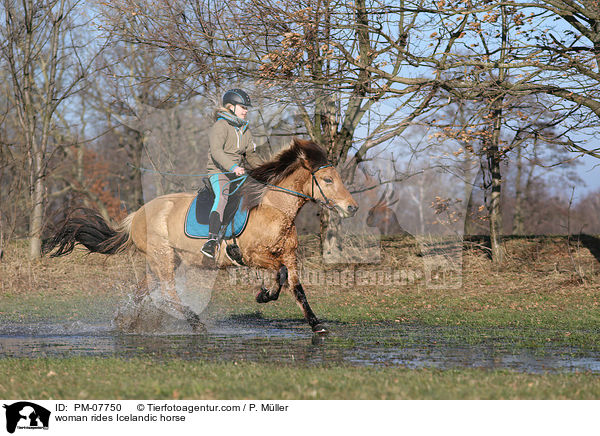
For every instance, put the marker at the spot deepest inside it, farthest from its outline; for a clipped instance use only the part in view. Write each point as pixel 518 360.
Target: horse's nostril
pixel 352 209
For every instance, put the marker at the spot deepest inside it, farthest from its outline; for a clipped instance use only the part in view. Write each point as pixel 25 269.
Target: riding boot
pixel 214 225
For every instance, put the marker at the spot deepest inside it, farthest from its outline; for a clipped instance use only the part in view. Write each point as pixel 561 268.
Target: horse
pixel 276 192
pixel 384 218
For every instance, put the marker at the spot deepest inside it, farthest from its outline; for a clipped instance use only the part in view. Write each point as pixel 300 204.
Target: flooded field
pixel 252 338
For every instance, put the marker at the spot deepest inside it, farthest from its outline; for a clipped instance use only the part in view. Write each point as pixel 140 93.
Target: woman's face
pixel 241 111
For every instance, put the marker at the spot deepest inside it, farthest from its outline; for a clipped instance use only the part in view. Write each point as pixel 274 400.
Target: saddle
pixel 235 217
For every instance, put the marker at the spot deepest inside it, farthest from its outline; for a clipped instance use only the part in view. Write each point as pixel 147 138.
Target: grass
pixel 543 298
pixel 93 378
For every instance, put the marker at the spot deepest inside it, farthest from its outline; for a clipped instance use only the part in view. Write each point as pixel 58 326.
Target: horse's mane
pixel 299 153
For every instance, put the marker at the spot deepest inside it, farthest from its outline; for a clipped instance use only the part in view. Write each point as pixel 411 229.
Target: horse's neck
pixel 286 202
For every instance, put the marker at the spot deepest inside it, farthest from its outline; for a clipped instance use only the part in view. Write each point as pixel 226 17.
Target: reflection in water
pixel 289 341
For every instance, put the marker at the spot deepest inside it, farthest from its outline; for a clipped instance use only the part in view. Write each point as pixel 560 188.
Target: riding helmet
pixel 236 96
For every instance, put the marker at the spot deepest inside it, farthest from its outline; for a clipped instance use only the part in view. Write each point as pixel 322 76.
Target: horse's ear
pixel 304 159
pixel 296 147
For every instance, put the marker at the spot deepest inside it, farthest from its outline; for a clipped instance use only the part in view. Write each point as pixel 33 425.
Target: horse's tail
pixel 88 228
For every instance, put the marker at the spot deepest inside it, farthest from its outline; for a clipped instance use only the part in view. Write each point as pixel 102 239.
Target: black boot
pixel 214 225
pixel 210 247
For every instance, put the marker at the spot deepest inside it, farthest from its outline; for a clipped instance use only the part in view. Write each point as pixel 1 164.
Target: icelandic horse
pixel 274 192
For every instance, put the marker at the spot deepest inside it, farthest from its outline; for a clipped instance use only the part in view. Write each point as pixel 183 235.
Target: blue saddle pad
pixel 195 229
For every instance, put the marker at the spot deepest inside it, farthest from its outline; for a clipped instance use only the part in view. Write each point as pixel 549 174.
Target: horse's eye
pixel 328 180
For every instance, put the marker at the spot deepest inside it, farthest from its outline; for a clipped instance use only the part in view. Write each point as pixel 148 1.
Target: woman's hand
pixel 239 171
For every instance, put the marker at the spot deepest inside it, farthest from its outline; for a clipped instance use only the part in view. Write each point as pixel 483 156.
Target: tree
pixel 500 70
pixel 336 63
pixel 569 62
pixel 359 74
pixel 47 61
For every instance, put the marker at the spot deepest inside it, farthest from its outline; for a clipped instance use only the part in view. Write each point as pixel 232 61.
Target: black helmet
pixel 236 96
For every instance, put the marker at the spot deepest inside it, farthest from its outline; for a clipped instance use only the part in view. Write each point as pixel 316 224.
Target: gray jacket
pixel 231 144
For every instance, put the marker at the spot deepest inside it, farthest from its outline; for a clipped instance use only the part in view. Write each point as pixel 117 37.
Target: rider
pixel 230 143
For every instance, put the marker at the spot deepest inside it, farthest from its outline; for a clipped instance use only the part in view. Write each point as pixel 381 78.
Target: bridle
pixel 314 182
pixel 327 203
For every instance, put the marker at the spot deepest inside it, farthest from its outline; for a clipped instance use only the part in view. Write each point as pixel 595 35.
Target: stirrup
pixel 210 247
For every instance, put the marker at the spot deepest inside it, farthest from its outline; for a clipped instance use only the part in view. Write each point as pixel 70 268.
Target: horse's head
pixel 304 165
pixel 326 186
pixel 382 216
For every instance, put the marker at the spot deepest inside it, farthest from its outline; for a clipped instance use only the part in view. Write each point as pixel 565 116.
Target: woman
pixel 231 148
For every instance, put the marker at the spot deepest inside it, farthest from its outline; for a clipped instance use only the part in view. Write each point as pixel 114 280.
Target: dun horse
pixel 282 186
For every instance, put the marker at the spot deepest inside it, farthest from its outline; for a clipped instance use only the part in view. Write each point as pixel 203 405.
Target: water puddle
pixel 252 338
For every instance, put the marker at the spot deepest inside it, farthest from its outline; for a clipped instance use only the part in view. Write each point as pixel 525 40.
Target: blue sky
pixel 590 172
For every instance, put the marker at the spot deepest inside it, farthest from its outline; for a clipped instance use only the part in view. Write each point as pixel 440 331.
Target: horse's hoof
pixel 320 330
pixel 263 296
pixel 318 339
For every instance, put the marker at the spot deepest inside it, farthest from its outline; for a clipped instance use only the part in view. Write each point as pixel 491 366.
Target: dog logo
pixel 26 415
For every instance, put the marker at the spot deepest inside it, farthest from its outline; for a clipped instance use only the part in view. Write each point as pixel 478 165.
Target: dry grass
pixel 75 273
pixel 540 263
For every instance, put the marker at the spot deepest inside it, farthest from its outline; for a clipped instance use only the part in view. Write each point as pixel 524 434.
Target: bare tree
pixel 568 42
pixel 501 68
pixel 47 61
pixel 347 69
pixel 359 74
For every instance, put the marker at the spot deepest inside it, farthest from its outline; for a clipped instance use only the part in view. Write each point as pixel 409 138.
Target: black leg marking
pixel 313 321
pixel 264 295
pixel 282 276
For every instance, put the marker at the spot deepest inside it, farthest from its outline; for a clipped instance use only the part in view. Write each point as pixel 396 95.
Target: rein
pixel 311 197
pixel 242 179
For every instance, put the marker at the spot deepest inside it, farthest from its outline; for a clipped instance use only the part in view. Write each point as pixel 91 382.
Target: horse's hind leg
pixel 164 265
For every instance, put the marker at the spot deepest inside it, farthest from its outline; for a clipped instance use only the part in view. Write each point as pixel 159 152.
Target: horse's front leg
pixel 300 296
pixel 310 316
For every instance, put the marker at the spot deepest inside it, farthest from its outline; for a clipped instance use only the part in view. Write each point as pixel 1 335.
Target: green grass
pixel 96 378
pixel 526 320
pixel 32 308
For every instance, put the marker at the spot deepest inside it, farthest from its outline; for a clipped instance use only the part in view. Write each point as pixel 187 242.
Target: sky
pixel 590 172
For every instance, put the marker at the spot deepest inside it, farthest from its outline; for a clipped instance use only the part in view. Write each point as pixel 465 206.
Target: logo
pixel 26 415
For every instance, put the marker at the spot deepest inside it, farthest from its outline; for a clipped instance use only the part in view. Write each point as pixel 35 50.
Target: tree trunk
pixel 468 228
pixel 494 155
pixel 518 216
pixel 331 240
pixel 495 209
pixel 468 174
pixel 137 199
pixel 496 215
pixel 37 213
